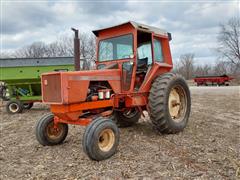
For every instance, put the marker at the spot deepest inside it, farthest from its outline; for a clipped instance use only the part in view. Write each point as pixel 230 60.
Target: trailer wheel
pixel 47 134
pixel 101 139
pixel 169 103
pixel 27 105
pixel 127 118
pixel 14 106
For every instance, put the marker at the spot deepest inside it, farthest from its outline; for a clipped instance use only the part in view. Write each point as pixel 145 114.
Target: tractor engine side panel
pixel 58 88
pixel 73 87
pixel 75 91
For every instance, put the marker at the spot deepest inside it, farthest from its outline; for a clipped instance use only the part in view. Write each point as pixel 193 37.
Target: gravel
pixel 207 149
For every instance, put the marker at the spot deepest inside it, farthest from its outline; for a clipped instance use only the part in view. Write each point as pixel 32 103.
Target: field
pixel 207 149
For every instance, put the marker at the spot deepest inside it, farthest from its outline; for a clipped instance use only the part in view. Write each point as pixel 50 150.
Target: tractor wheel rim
pixel 177 103
pixel 13 107
pixel 54 133
pixel 106 140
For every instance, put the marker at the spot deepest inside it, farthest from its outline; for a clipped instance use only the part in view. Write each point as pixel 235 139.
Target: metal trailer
pixel 222 80
pixel 21 82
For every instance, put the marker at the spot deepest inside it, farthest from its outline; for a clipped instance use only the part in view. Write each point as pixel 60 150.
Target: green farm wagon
pixel 20 79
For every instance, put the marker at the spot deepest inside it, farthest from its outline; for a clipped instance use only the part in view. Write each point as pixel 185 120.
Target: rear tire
pixel 169 103
pixel 127 118
pixel 14 106
pixel 101 139
pixel 46 134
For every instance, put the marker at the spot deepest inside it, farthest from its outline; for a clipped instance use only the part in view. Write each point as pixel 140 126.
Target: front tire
pixel 47 134
pixel 169 103
pixel 101 139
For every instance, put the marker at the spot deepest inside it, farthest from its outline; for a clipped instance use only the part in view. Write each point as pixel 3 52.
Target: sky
pixel 194 24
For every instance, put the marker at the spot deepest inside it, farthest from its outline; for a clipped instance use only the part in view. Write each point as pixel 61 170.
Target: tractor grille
pixel 51 88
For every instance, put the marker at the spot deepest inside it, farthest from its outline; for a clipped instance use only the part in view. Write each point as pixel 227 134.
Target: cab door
pixel 125 52
pixel 127 72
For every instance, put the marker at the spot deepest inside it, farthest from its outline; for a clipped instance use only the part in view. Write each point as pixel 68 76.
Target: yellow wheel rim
pixel 54 133
pixel 177 103
pixel 13 107
pixel 106 140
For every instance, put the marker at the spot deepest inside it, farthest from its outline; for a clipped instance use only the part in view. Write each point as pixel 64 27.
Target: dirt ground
pixel 207 149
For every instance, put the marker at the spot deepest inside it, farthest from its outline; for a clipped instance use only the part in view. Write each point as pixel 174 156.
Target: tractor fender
pixel 156 70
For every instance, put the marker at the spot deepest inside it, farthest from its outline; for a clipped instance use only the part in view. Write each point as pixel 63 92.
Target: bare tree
pixel 202 70
pixel 220 68
pixel 87 46
pixel 185 66
pixel 87 50
pixel 60 48
pixel 35 50
pixel 229 41
pixel 63 46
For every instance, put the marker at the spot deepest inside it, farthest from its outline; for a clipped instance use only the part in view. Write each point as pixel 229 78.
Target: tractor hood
pixel 72 87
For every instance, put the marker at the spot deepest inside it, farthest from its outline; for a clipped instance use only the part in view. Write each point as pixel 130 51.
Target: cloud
pixel 19 17
pixel 194 25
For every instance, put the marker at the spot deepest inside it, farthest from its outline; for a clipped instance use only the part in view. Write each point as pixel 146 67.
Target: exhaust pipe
pixel 76 50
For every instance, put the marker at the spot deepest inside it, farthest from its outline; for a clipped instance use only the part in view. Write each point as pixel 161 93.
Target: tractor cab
pixel 134 48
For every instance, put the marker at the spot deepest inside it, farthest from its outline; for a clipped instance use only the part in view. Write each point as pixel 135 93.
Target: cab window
pixel 145 51
pixel 158 56
pixel 116 48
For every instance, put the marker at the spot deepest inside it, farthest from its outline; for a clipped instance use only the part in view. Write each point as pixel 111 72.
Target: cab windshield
pixel 116 48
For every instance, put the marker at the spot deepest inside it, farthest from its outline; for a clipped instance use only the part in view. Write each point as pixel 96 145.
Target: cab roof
pixel 137 26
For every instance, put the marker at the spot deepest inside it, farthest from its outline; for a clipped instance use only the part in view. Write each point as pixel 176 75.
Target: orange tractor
pixel 132 75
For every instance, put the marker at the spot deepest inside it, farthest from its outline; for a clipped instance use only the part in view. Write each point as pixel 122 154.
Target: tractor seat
pixel 142 65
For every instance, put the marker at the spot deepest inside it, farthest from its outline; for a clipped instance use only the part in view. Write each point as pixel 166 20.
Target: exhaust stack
pixel 76 50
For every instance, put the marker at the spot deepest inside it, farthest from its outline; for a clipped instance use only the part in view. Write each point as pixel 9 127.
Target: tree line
pixel 62 47
pixel 189 68
pixel 228 51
